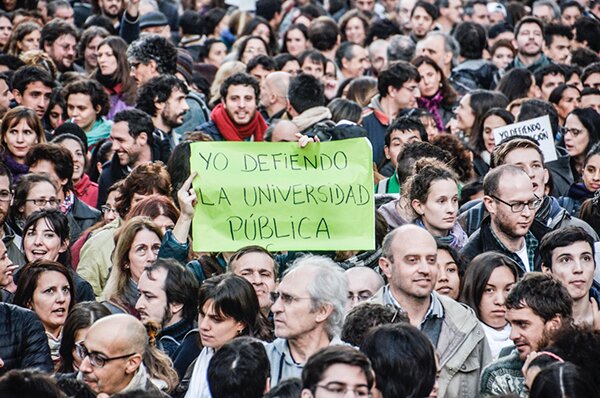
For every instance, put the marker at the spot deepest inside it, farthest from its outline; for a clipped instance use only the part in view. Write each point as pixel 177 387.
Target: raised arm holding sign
pixel 538 129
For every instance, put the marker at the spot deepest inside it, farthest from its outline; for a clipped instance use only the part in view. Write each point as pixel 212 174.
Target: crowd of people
pixel 482 281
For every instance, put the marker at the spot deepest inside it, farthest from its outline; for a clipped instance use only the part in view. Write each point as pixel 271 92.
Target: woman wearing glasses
pixel 138 244
pixel 46 237
pixel 433 196
pixel 228 308
pixel 34 192
pixel 590 183
pixel 46 287
pixel 20 130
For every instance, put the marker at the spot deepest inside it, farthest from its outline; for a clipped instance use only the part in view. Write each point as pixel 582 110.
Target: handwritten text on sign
pixel 283 197
pixel 538 129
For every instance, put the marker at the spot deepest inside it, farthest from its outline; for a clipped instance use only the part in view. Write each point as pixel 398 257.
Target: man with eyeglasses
pixel 59 41
pixel 308 312
pixel 525 153
pixel 112 354
pixel 335 371
pixel 10 238
pixel 511 203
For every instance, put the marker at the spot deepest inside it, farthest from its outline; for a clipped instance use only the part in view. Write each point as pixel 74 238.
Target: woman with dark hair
pixel 252 46
pixel 563 380
pixel 25 37
pixel 450 271
pixel 56 113
pixel 503 53
pixel 228 308
pixel 258 26
pixel 483 143
pixel 433 196
pixel 518 83
pixel 437 95
pixel 565 98
pixel 20 130
pixel 79 320
pixel 84 189
pixel 487 281
pixel 354 26
pixel 590 183
pixel 46 288
pixel 138 243
pixel 46 237
pixel 581 132
pixel 88 47
pixel 212 52
pixel 113 74
pixel 101 153
pixel 295 40
pixel 403 360
pixel 471 108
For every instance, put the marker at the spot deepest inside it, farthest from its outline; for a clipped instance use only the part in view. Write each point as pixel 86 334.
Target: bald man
pixel 273 95
pixel 409 261
pixel 363 283
pixel 112 353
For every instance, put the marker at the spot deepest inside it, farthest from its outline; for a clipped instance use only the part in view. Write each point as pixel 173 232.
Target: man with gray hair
pixel 546 10
pixel 442 48
pixel 273 95
pixel 308 311
pixel 409 261
pixel 378 55
pixel 401 48
pixel 151 56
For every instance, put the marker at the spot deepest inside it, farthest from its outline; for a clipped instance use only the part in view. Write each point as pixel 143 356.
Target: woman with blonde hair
pixel 227 69
pixel 137 246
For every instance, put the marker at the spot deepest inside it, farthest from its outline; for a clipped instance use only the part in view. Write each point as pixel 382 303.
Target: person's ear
pixel 386 266
pixel 98 109
pixel 17 96
pixel 417 207
pixel 306 393
pixel 489 204
pixel 554 323
pixel 324 312
pixel 64 246
pixel 546 270
pixel 546 176
pixel 176 308
pixel 142 138
pixel 153 66
pixel 159 106
pixel 133 363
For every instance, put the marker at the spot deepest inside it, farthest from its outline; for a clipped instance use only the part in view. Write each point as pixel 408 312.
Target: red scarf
pixel 235 132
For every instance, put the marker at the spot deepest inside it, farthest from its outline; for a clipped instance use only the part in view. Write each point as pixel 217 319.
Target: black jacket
pixel 23 342
pixel 81 217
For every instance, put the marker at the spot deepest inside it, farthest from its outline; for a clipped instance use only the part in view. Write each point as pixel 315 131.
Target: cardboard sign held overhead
pixel 538 129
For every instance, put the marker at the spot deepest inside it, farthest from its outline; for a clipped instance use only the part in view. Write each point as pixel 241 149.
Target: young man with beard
pixel 236 118
pixel 511 203
pixel 568 254
pixel 168 296
pixel 112 9
pixel 529 35
pixel 163 98
pixel 536 306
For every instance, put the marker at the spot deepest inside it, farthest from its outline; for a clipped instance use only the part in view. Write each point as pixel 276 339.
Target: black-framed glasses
pixel 340 390
pixel 97 360
pixel 518 207
pixel 43 202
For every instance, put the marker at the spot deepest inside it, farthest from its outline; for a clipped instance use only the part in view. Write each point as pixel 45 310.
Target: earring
pixel 240 331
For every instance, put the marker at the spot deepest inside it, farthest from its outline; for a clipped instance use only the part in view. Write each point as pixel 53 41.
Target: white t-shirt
pixel 524 257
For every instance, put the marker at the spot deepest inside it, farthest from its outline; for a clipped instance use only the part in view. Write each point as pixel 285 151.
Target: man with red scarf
pixel 236 117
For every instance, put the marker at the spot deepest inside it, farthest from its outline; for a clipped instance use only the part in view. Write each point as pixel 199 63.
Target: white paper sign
pixel 538 129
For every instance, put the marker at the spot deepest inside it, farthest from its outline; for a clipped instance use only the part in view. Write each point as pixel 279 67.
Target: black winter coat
pixel 23 342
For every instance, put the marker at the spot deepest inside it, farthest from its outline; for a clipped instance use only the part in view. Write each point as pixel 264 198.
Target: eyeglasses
pixel 340 390
pixel 518 207
pixel 107 209
pixel 134 65
pixel 5 196
pixel 43 202
pixel 573 132
pixel 286 299
pixel 97 360
pixel 412 89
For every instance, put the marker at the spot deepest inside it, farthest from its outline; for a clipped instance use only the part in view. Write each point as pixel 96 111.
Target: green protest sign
pixel 283 197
